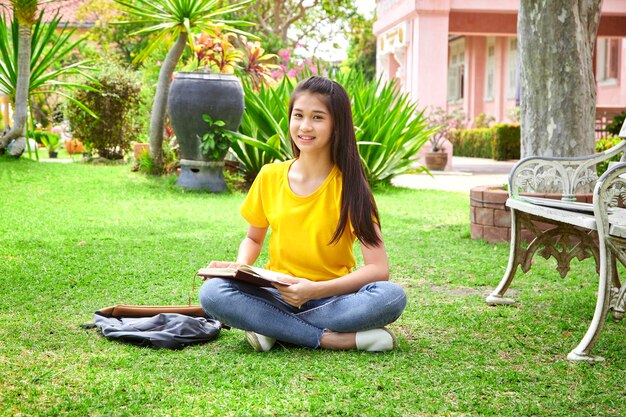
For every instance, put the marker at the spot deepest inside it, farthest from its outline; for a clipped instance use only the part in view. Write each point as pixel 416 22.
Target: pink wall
pixel 615 95
pixel 425 56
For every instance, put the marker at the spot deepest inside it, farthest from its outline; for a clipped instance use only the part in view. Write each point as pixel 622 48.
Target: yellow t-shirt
pixel 301 227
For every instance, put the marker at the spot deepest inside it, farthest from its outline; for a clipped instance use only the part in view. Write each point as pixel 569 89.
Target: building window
pixel 490 68
pixel 511 86
pixel 607 60
pixel 456 71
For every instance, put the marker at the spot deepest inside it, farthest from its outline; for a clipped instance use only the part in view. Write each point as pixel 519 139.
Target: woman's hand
pixel 221 264
pixel 298 292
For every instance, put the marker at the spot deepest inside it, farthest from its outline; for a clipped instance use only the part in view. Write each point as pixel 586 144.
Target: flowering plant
pixel 293 67
pixel 218 53
pixel 257 64
pixel 443 124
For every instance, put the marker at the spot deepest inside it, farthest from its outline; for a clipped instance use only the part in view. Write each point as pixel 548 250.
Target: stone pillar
pixel 428 80
pixel 391 49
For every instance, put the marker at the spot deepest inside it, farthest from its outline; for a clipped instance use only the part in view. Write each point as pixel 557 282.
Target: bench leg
pixel 618 292
pixel 607 270
pixel 606 276
pixel 497 296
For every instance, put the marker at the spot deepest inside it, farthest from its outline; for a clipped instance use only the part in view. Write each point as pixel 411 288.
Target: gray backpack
pixel 167 327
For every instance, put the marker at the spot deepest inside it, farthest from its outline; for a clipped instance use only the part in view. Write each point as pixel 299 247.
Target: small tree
pixel 48 71
pixel 443 124
pixel 25 13
pixel 362 50
pixel 116 106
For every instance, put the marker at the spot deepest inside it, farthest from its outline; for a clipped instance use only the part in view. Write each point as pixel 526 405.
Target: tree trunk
pixel 159 108
pixel 20 111
pixel 558 89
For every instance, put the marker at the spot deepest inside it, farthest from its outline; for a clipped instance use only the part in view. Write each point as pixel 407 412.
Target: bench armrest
pixel 609 197
pixel 564 176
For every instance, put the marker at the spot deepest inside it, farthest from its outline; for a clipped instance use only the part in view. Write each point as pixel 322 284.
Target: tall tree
pixel 25 12
pixel 558 89
pixel 288 22
pixel 362 50
pixel 176 19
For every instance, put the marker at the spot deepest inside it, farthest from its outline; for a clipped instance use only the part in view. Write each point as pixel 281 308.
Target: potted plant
pixel 203 104
pixel 52 141
pixel 209 94
pixel 443 124
pixel 179 20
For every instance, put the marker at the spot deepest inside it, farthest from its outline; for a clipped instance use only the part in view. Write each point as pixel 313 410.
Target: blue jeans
pixel 261 310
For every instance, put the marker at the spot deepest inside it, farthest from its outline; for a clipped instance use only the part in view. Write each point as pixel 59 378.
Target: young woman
pixel 316 206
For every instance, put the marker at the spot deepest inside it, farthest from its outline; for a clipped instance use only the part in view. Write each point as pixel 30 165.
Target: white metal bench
pixel 571 229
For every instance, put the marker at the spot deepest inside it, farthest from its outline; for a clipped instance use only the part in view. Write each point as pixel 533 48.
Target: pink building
pixel 463 54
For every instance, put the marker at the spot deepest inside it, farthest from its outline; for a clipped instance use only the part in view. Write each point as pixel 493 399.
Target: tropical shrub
pixel 116 107
pixel 263 135
pixel 218 53
pixel 52 142
pixel 216 140
pixel 48 47
pixel 40 135
pixel 389 128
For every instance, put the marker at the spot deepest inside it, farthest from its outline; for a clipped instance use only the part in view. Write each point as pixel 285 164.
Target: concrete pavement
pixel 466 173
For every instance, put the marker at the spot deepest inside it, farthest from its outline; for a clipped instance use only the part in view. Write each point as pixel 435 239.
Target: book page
pixel 265 273
pixel 216 272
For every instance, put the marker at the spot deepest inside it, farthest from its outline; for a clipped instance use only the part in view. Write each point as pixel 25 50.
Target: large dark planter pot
pixel 193 94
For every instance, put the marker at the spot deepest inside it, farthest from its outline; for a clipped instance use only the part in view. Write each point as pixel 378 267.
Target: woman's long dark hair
pixel 357 201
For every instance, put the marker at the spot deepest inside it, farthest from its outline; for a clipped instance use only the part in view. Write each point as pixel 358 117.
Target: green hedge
pixel 474 143
pixel 500 142
pixel 506 144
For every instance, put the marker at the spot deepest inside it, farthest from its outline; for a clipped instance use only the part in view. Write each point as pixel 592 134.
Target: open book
pixel 250 274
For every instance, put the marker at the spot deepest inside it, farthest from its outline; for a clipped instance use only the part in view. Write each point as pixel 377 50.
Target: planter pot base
pixel 202 178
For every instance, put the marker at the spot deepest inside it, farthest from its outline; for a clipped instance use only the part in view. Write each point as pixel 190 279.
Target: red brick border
pixel 490 218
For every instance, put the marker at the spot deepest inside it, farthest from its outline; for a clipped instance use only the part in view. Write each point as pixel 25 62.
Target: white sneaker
pixel 259 342
pixel 376 340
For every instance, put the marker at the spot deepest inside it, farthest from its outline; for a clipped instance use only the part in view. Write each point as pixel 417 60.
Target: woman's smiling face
pixel 311 125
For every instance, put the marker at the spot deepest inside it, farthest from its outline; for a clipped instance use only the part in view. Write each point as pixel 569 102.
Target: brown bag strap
pixel 122 310
pixel 193 288
pixel 148 311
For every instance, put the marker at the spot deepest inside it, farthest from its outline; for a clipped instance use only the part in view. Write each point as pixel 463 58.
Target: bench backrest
pixel 564 176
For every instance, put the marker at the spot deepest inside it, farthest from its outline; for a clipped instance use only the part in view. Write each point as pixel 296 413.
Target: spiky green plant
pixel 263 136
pixel 50 46
pixel 390 129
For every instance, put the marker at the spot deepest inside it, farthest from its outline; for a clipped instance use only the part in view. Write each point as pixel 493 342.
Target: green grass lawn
pixel 75 238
